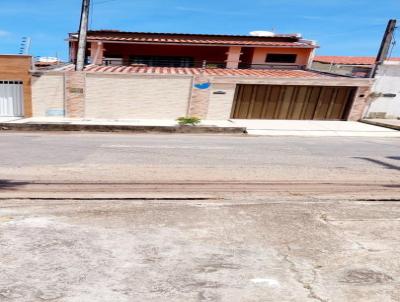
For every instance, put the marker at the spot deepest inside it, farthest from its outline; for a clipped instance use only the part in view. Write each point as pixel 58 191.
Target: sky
pixel 341 27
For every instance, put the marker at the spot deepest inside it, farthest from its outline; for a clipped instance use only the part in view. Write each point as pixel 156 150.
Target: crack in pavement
pixel 299 278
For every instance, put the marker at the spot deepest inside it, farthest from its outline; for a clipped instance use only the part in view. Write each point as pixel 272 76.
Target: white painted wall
pixel 387 81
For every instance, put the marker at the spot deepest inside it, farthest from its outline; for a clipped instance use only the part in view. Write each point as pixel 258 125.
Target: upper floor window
pixel 281 58
pixel 163 61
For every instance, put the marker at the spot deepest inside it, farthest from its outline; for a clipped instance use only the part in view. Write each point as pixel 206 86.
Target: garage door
pixel 11 98
pixel 292 102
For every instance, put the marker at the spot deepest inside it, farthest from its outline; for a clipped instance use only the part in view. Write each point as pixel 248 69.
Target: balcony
pixel 190 63
pixel 167 62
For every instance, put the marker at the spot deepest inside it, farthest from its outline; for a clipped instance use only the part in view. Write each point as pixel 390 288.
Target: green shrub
pixel 188 120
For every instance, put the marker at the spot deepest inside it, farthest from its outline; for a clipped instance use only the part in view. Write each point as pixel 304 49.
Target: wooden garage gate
pixel 292 102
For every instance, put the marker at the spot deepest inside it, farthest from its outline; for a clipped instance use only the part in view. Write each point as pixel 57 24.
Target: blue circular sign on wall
pixel 203 85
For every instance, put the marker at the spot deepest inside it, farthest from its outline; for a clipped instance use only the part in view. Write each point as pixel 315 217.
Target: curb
pixel 394 127
pixel 120 128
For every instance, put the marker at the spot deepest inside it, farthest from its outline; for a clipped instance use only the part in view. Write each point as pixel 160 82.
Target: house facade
pixel 163 76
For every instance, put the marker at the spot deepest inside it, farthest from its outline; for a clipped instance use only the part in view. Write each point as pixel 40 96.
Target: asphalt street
pixel 119 217
pixel 124 157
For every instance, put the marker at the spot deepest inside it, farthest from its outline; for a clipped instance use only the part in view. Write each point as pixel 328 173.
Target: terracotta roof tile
pixel 349 60
pixel 274 73
pixel 202 41
pixel 114 31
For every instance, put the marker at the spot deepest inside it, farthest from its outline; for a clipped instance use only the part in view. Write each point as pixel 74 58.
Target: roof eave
pixel 197 44
pixel 116 32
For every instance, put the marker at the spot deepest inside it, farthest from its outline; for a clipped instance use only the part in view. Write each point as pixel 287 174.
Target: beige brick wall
pixel 220 105
pixel 360 104
pixel 48 95
pixel 75 82
pixel 136 96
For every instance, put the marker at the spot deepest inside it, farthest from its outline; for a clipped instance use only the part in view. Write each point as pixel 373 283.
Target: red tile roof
pixel 273 73
pixel 349 60
pixel 115 31
pixel 201 41
pixel 197 39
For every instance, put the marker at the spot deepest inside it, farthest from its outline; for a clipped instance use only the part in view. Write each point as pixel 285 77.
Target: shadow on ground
pixel 10 185
pixel 381 163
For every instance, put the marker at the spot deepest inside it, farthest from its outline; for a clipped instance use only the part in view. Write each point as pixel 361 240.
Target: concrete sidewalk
pixel 252 127
pixel 313 128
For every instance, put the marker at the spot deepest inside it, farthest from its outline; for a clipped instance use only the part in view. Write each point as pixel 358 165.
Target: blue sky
pixel 341 27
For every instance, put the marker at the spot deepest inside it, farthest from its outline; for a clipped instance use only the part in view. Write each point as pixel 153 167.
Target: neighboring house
pixel 15 86
pixel 386 92
pixel 346 65
pixel 164 76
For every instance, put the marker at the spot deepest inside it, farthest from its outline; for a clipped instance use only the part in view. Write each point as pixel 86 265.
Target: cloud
pixel 4 33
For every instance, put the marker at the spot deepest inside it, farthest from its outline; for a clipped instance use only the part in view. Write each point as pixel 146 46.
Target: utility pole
pixel 83 28
pixel 385 46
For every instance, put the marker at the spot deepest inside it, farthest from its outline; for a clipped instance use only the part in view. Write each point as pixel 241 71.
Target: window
pixel 163 61
pixel 280 58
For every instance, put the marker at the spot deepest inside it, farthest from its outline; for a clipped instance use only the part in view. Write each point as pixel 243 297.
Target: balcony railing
pixel 164 63
pixel 271 66
pixel 207 64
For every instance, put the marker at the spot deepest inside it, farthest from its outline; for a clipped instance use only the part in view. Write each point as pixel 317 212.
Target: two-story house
pixel 134 75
